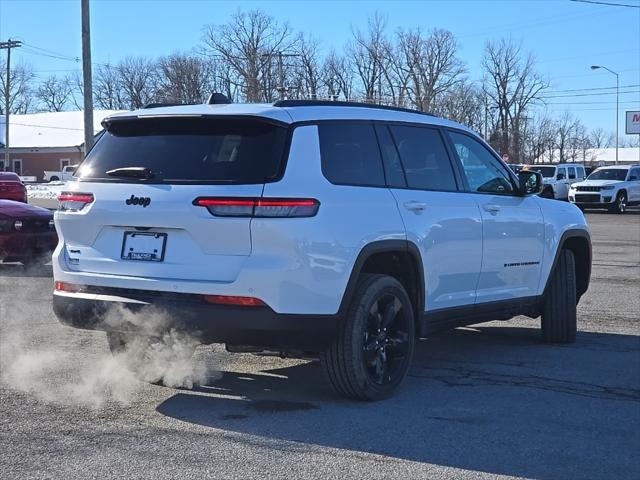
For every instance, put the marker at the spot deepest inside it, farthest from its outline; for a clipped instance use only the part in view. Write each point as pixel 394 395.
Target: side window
pixel 580 171
pixel 572 173
pixel 561 171
pixel 350 154
pixel 390 158
pixel 424 158
pixel 635 173
pixel 484 172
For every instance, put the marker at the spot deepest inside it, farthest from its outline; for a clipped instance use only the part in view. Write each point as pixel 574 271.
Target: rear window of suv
pixel 189 150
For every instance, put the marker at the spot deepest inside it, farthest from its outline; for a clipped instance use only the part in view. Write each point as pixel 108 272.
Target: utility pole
pixel 8 45
pixel 86 77
pixel 282 90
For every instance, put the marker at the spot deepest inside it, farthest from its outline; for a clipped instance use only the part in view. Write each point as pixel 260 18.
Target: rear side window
pixel 424 157
pixel 189 150
pixel 350 154
pixel 572 173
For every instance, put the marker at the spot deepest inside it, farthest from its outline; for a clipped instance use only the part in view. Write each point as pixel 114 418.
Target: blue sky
pixel 566 37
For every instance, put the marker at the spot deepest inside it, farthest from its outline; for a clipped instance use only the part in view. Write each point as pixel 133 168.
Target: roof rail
pixel 340 103
pixel 162 104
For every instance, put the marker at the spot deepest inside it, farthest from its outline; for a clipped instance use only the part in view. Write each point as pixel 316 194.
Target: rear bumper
pixel 156 312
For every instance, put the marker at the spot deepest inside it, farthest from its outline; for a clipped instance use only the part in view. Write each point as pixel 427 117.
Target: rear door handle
pixel 492 209
pixel 415 206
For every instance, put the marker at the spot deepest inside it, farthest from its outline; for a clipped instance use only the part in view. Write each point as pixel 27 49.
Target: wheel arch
pixel 400 259
pixel 579 242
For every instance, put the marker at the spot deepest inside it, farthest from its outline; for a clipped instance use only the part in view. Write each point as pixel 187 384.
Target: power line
pixel 591 89
pixel 45 126
pixel 51 52
pixel 633 102
pixel 534 23
pixel 606 3
pixel 589 94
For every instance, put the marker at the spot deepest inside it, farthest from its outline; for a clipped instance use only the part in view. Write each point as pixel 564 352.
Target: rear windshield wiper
pixel 131 172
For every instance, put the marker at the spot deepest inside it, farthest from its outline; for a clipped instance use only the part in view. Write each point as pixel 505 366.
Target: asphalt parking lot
pixel 480 402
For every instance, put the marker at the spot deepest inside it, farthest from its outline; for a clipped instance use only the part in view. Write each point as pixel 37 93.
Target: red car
pixel 12 188
pixel 27 233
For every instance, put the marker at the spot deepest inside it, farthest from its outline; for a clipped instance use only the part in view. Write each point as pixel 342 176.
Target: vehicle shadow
pixel 630 211
pixel 489 399
pixel 20 270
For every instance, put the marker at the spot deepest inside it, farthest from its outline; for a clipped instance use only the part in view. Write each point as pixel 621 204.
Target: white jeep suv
pixel 613 188
pixel 558 178
pixel 308 228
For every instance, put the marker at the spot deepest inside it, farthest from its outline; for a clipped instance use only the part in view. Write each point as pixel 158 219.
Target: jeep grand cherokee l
pixel 612 188
pixel 332 229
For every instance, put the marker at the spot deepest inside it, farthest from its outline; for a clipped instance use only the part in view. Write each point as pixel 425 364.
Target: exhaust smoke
pixel 66 367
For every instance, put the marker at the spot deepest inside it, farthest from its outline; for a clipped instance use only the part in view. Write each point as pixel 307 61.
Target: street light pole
pixel 596 67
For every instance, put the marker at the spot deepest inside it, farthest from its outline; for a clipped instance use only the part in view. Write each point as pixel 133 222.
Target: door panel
pixel 513 236
pixel 562 186
pixel 447 228
pixel 445 224
pixel 513 232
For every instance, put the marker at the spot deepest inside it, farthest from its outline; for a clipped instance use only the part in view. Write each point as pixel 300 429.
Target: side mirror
pixel 633 177
pixel 560 176
pixel 530 182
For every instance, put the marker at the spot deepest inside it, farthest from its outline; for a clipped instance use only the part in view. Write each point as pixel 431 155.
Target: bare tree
pixel 565 129
pixel 55 93
pixel 307 73
pixel 367 53
pixel 512 85
pixel 600 138
pixel 539 139
pixel 462 103
pixel 248 43
pixel 431 64
pixel 22 93
pixel 138 78
pixel 186 79
pixel 107 88
pixel 338 76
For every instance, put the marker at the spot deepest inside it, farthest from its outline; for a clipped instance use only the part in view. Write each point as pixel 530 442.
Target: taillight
pixel 72 201
pixel 67 287
pixel 234 300
pixel 259 207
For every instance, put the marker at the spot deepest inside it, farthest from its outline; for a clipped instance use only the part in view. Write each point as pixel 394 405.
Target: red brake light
pixel 73 201
pixel 67 287
pixel 234 300
pixel 259 207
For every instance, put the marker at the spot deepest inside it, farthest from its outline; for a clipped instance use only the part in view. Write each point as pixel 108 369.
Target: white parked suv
pixel 308 228
pixel 558 178
pixel 613 188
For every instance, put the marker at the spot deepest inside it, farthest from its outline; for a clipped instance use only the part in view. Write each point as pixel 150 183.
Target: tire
pixel 547 193
pixel 372 352
pixel 54 179
pixel 559 309
pixel 620 205
pixel 148 357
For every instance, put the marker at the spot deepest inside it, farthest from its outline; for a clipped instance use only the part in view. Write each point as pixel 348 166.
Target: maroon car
pixel 27 233
pixel 12 188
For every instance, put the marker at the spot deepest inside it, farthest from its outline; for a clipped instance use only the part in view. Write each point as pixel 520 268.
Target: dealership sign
pixel 633 123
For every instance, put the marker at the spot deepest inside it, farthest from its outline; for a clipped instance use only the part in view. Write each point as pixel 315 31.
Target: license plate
pixel 144 246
